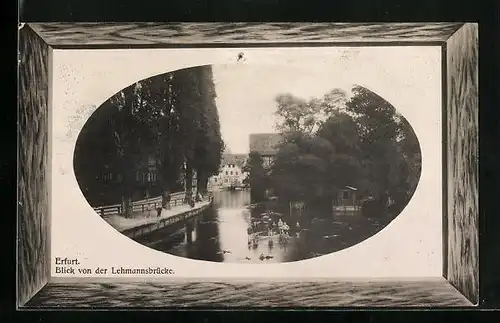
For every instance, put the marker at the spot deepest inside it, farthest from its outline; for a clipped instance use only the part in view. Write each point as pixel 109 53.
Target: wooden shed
pixel 346 201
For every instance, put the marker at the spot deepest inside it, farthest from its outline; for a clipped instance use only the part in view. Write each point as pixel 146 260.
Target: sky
pixel 246 96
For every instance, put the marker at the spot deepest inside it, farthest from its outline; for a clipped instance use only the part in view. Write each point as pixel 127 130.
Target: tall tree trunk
pixel 126 206
pixel 126 143
pixel 189 182
pixel 127 187
pixel 199 187
pixel 202 183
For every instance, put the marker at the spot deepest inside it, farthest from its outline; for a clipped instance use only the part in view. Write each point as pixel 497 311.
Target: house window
pixel 227 172
pixel 215 179
pixel 235 173
pixel 231 172
pixel 345 195
pixel 225 180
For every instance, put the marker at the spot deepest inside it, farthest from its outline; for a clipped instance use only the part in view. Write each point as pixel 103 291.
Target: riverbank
pixel 121 223
pixel 235 231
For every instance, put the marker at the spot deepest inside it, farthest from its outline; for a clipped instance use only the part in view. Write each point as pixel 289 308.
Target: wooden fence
pixel 346 210
pixel 164 222
pixel 146 205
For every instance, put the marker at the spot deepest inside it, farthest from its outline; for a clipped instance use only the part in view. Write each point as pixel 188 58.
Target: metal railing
pixel 146 205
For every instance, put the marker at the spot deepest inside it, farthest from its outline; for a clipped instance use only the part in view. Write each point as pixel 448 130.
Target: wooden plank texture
pixel 33 200
pixel 463 154
pixel 434 292
pixel 33 136
pixel 68 34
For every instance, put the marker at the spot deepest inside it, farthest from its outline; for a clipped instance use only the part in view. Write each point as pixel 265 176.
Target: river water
pixel 233 230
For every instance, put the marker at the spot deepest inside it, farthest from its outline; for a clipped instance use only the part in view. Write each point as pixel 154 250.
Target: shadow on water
pixel 236 231
pixel 231 199
pixel 196 238
pixel 206 245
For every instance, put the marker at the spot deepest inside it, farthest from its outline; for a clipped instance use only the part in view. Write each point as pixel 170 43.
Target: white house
pixel 231 173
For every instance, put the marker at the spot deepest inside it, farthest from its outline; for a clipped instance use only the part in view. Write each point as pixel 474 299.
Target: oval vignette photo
pixel 245 163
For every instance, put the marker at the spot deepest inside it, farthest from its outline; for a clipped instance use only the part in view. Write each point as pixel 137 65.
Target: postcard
pixel 286 164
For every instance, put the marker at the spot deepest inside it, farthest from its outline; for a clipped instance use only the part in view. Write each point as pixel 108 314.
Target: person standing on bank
pixel 166 200
pixel 165 203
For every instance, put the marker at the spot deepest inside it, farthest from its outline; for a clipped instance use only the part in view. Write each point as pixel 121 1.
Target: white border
pixel 408 77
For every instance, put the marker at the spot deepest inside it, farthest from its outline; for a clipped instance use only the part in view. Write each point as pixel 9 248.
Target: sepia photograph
pixel 247 163
pixel 244 158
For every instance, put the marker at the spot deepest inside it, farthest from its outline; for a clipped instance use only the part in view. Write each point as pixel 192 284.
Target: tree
pixel 257 176
pixel 298 115
pixel 410 165
pixel 132 139
pixel 209 143
pixel 164 121
pixel 313 168
pixel 300 169
pixel 319 149
pixel 199 128
pixel 345 162
pixel 94 159
pixel 384 137
pixel 172 117
pixel 334 101
pixel 337 141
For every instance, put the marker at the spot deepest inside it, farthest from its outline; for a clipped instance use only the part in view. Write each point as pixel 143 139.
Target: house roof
pixel 351 188
pixel 265 143
pixel 236 159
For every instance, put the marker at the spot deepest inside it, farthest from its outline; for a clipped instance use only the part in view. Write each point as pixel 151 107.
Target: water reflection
pixel 234 230
pixel 232 199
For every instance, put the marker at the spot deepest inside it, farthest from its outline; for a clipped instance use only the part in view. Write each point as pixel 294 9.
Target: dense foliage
pixel 257 177
pixel 171 118
pixel 339 140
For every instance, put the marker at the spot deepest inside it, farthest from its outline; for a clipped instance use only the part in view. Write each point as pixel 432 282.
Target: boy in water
pixel 280 226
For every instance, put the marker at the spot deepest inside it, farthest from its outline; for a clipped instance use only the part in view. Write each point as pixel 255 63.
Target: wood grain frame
pixel 459 286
